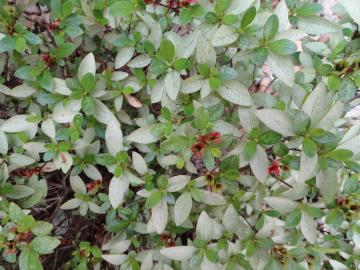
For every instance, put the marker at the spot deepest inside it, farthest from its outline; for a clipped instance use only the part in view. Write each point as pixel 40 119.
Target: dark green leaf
pixel 249 150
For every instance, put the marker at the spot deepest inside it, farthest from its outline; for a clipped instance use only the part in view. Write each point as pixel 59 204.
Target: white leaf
pixel 114 138
pixel 71 204
pixel 143 135
pixel 95 208
pixel 335 112
pixel 118 76
pixel 291 34
pixel 281 11
pixel 17 123
pixel 326 182
pixel 64 114
pixel 20 160
pixel 4 146
pixel 224 35
pixel 147 263
pixel 281 204
pixel 157 91
pixel 259 164
pixel 20 91
pixel 102 113
pixel 117 189
pixel 178 182
pixel 64 161
pixel 87 65
pixel 234 92
pixel 159 216
pixel 48 127
pixel 316 25
pixel 172 84
pixel 212 198
pixel 308 166
pixel 247 118
pixel 179 253
pixel 92 172
pixel 123 56
pixel 308 228
pixel 133 179
pixel 316 104
pixel 139 61
pixel 207 228
pixel 191 84
pixel 155 35
pixel 77 184
pixel 205 53
pixel 120 246
pixel 139 163
pixel 225 128
pixel 283 68
pixel 115 259
pixel 352 7
pixel 59 86
pixel 187 45
pixel 276 120
pixel 239 6
pixel 182 208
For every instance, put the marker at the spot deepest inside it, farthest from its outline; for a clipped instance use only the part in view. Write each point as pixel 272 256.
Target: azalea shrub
pixel 187 134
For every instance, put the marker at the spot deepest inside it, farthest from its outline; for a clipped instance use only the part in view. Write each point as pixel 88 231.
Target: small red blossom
pixel 48 60
pixel 274 168
pixel 52 25
pixel 214 137
pixel 94 185
pixel 198 149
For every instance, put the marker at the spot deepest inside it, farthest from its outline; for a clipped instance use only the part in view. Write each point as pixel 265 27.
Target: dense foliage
pixel 184 134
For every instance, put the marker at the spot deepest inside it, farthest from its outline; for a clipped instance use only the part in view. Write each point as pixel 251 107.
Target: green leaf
pixel 340 154
pixel 232 174
pixel 87 105
pixel 64 50
pixel 16 213
pixel 249 150
pixel 29 260
pixel 308 9
pixel 88 82
pixel 174 143
pixel 20 44
pixel 181 64
pixel 260 56
pixel 347 89
pixel 166 51
pixel 28 72
pixel 293 218
pixel 44 244
pixel 309 147
pixel 202 117
pixel 282 46
pixel 271 27
pixel 313 211
pixel 248 17
pixel 212 255
pixel 153 199
pixel 302 122
pixel 214 83
pixel 42 228
pixel 45 80
pixel 122 8
pixel 105 159
pixel 221 6
pixel 334 83
pixel 185 16
pixel 209 160
pixel 230 19
pixel 7 44
pixel 269 137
